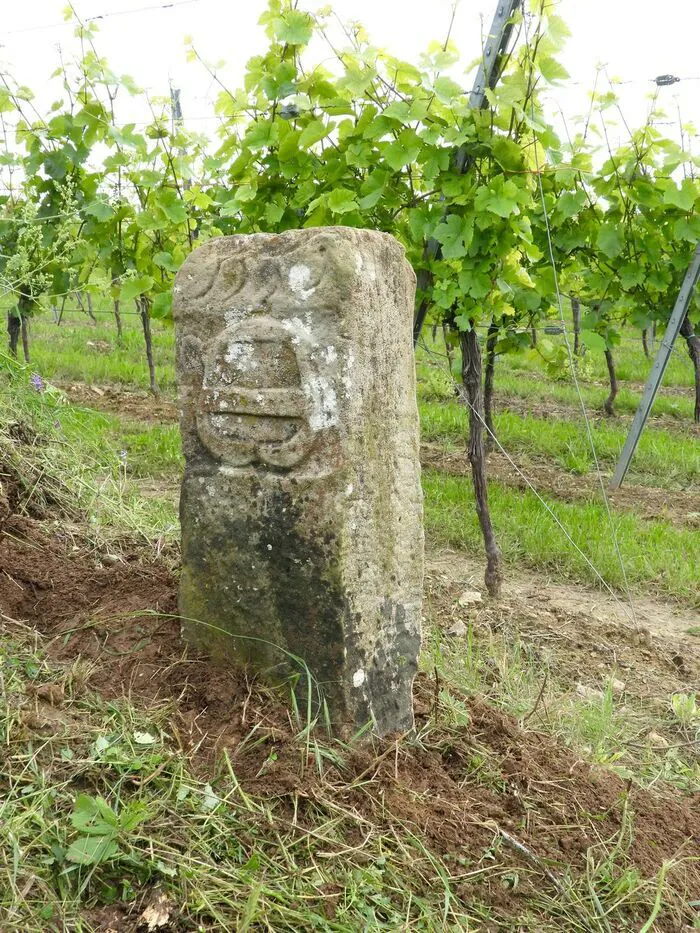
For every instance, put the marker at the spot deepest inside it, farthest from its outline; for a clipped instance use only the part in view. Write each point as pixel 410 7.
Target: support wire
pixel 543 502
pixel 572 362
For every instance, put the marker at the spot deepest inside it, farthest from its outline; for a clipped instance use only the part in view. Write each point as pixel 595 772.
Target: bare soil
pixel 552 409
pixel 130 404
pixel 681 507
pixel 117 612
pixel 585 635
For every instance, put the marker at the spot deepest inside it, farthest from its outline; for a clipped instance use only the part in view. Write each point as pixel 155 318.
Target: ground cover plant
pixel 506 223
pixel 180 767
pixel 553 780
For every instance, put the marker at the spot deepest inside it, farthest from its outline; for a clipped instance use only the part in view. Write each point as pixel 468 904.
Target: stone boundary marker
pixel 301 503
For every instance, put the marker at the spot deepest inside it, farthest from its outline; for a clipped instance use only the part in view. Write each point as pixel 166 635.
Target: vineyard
pixel 553 779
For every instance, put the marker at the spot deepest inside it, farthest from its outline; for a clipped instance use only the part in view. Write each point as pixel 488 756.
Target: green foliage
pixel 371 141
pixel 34 254
pixel 106 197
pixel 686 710
pixel 100 829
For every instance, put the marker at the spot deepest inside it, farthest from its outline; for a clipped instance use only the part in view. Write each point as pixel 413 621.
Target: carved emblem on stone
pixel 253 408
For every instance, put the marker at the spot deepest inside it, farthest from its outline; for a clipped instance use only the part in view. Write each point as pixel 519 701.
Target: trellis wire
pixel 98 16
pixel 570 355
pixel 528 482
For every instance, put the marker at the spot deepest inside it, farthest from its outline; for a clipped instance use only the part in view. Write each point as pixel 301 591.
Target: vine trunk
pixel 491 340
pixel 471 378
pixel 693 342
pixel 612 375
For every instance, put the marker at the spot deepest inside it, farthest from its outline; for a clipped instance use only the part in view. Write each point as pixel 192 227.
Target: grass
pixel 508 667
pixel 658 557
pixel 62 353
pixel 104 807
pixel 78 453
pixel 534 390
pixel 334 859
pixel 153 451
pixel 664 457
pixel 223 857
pixel 630 363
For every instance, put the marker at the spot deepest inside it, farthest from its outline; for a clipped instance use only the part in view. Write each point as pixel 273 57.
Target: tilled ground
pixel 679 506
pixel 583 635
pixel 117 614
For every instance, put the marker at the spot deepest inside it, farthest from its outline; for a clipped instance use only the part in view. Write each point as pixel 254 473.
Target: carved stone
pixel 301 506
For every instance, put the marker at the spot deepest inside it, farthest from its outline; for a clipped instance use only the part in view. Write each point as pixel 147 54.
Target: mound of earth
pixel 25 485
pixel 489 787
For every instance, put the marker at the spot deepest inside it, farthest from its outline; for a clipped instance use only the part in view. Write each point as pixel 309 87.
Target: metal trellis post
pixel 496 45
pixel 657 370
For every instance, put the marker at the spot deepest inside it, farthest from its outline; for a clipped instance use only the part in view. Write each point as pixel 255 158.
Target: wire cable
pixel 528 482
pixel 572 362
pixel 99 16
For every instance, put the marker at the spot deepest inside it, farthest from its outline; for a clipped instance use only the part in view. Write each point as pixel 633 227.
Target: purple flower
pixel 36 382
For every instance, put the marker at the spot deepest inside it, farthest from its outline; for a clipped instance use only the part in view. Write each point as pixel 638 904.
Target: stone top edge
pixel 348 233
pixel 269 250
pixel 310 231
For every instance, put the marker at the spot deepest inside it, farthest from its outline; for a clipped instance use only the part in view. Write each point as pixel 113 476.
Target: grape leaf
pixel 610 240
pixel 294 27
pixel 341 201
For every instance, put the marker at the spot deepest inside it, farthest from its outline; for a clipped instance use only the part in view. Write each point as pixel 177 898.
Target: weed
pixel 74 457
pixel 686 710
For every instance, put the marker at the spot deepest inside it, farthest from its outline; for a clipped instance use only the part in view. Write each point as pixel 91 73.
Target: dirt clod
pixel 461 788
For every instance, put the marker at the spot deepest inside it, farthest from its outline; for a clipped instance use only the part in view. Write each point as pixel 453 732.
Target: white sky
pixel 636 39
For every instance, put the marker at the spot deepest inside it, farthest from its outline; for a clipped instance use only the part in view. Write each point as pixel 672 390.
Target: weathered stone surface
pixel 301 503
